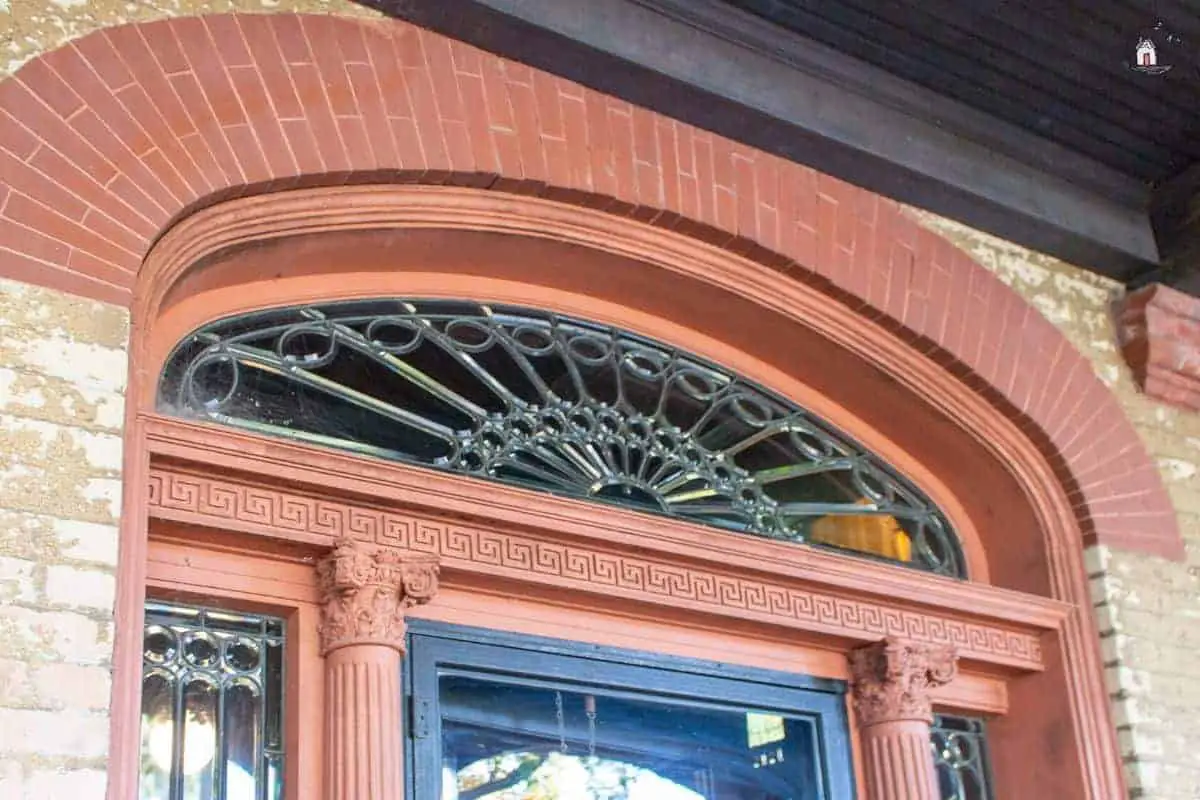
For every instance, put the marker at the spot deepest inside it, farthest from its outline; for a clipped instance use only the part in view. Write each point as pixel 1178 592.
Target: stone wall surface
pixel 1148 608
pixel 62 379
pixel 62 376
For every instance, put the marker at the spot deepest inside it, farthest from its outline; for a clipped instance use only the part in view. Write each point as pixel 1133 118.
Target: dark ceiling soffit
pixel 729 72
pixel 1176 214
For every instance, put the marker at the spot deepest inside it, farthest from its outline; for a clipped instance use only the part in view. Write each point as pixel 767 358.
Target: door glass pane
pixel 511 741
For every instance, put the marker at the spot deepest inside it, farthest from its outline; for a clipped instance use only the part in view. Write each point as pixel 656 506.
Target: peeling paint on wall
pixel 63 366
pixel 31 27
pixel 1148 609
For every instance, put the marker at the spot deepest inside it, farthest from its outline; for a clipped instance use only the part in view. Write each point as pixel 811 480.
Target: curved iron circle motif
pixel 552 403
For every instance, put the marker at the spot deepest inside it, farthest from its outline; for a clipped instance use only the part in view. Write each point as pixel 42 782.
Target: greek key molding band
pixel 280 513
pixel 365 592
pixel 891 682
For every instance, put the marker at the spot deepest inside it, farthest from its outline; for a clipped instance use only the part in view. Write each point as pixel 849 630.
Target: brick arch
pixel 107 141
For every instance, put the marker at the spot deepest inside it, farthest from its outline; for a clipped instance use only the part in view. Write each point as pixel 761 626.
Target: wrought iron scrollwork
pixel 960 756
pixel 548 402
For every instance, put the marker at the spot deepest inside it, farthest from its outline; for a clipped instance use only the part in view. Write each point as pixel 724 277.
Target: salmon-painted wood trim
pixel 715 573
pixel 172 299
pixel 311 495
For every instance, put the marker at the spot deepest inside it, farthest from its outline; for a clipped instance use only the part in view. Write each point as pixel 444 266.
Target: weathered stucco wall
pixel 1148 608
pixel 31 27
pixel 62 380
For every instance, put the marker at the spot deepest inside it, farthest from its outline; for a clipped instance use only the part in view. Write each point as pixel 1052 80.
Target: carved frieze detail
pixel 892 680
pixel 366 590
pixel 514 554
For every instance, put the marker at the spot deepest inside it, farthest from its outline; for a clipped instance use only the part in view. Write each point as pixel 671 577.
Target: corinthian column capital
pixel 892 680
pixel 365 592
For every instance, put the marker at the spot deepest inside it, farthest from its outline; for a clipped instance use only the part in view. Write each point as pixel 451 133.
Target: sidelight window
pixel 212 705
pixel 960 753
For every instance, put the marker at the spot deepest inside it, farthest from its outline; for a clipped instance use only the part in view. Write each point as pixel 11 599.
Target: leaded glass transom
pixel 559 404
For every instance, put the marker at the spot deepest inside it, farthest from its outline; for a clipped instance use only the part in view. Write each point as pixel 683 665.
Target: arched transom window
pixel 557 404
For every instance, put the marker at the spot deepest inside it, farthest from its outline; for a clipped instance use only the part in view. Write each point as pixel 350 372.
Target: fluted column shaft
pixel 363 729
pixel 897 763
pixel 365 593
pixel 891 682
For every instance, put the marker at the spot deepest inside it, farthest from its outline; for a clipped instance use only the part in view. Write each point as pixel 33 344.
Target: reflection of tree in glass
pixel 532 776
pixel 490 776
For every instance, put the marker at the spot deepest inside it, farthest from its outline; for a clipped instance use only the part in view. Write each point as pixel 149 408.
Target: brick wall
pixel 62 378
pixel 1148 608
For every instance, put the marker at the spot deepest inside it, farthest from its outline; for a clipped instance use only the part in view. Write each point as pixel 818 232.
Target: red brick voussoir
pixel 110 139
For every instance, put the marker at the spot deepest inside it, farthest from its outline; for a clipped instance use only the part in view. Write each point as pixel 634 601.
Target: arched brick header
pixel 108 140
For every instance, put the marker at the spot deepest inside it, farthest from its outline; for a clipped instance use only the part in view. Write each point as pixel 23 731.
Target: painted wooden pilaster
pixel 365 593
pixel 891 683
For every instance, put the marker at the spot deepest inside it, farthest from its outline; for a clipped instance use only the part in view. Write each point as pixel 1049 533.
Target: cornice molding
pixel 527 557
pixel 1158 329
pixel 185 448
pixel 565 545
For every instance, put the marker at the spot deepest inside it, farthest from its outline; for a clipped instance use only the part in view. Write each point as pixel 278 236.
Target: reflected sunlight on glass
pixel 212 684
pixel 512 741
pixel 557 776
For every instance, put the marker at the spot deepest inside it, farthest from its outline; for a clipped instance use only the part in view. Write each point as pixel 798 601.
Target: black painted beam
pixel 1176 215
pixel 727 71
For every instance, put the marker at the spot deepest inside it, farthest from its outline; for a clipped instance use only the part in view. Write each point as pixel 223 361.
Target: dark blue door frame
pixel 438 648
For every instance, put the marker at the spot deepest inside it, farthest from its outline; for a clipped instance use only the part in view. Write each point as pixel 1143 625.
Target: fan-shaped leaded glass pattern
pixel 558 404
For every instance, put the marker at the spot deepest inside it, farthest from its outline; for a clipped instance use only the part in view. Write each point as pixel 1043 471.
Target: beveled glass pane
pixel 273 683
pixel 242 655
pixel 243 728
pixel 555 404
pixel 274 782
pixel 199 728
pixel 201 649
pixel 161 645
pixel 158 735
pixel 505 741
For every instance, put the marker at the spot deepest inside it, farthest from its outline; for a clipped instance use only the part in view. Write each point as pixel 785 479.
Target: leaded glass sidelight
pixel 960 755
pixel 558 404
pixel 212 705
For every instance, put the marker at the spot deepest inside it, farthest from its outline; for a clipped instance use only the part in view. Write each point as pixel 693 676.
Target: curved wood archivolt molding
pixel 178 296
pixel 101 154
